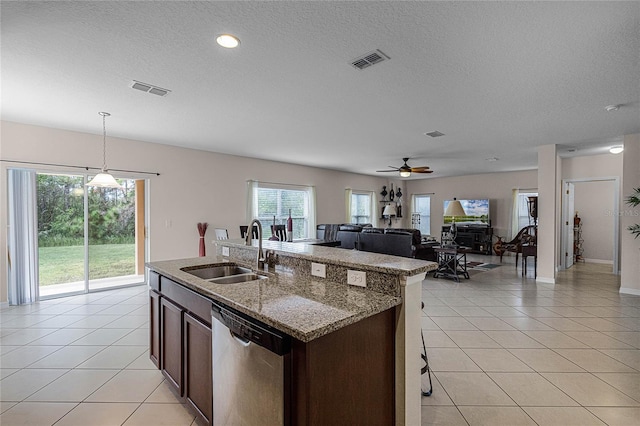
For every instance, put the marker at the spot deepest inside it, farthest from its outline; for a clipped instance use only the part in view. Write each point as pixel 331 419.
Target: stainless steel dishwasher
pixel 249 370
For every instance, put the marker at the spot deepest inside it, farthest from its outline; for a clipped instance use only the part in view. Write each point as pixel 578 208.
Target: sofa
pixel 405 242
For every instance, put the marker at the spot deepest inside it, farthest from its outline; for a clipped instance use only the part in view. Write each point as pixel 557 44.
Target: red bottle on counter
pixel 289 227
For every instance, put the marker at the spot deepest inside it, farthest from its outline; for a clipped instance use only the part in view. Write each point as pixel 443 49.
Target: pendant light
pixel 104 179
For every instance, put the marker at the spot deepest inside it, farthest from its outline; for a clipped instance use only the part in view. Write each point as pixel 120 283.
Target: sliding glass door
pixel 61 248
pixel 112 236
pixel 89 238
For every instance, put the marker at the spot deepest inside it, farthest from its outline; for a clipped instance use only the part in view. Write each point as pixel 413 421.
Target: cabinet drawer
pixel 189 300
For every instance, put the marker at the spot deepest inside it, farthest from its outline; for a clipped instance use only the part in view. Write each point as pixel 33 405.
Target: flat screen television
pixel 476 213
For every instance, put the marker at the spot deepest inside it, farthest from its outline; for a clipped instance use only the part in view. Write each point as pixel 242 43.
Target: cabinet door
pixel 154 332
pixel 171 343
pixel 198 381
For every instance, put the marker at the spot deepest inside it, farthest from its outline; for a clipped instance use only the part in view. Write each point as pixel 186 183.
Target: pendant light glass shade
pixel 104 179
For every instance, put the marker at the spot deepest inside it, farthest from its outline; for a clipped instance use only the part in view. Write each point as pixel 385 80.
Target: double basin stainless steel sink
pixel 227 273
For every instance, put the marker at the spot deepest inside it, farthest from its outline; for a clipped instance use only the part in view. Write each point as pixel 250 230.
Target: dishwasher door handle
pixel 241 340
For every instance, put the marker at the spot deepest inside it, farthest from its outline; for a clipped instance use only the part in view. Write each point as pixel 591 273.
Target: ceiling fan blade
pixel 418 169
pixel 386 171
pixel 421 171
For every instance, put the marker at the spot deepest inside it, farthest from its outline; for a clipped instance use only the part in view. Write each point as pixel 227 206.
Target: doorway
pixel 590 225
pixel 89 238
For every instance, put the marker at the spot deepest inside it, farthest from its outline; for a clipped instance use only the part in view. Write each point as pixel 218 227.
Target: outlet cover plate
pixel 319 270
pixel 358 278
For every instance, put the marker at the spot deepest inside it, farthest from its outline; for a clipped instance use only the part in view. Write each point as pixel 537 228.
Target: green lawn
pixel 66 264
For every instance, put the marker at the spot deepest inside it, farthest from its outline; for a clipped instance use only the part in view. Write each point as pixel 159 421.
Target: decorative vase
pixel 391 194
pixel 399 193
pixel 289 228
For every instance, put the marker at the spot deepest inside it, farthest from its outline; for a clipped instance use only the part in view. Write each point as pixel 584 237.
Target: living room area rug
pixel 480 266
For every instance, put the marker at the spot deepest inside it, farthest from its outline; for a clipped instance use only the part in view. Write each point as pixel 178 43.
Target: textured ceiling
pixel 498 78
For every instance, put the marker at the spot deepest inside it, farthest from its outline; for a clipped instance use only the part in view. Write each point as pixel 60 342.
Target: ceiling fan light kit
pixel 405 170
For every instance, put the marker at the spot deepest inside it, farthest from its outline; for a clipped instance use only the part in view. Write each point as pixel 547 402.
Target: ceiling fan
pixel 405 170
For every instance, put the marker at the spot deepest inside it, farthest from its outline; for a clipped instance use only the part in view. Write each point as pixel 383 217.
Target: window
pixel 361 207
pixel 274 202
pixel 523 209
pixel 421 213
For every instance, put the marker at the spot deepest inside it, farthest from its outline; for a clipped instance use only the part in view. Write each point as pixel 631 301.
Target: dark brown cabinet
pixel 180 342
pixel 154 323
pixel 171 343
pixel 345 377
pixel 198 385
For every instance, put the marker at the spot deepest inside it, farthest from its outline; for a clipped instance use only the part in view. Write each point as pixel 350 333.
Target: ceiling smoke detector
pixel 149 88
pixel 368 59
pixel 434 134
pixel 611 108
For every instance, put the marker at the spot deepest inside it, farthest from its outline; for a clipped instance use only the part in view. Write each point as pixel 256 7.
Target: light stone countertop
pixel 384 263
pixel 296 303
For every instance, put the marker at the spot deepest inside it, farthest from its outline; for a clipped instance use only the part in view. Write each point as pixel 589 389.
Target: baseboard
pixel 606 262
pixel 629 290
pixel 545 280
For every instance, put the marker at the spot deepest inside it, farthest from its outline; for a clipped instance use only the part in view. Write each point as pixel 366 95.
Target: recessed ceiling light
pixel 492 159
pixel 228 41
pixel 616 149
pixel 611 108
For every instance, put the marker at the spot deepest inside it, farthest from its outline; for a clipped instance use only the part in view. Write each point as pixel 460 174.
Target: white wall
pixel 497 187
pixel 594 200
pixel 630 246
pixel 594 204
pixel 193 186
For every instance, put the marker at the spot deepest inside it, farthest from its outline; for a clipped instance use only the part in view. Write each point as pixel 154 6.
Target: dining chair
pixel 221 234
pixel 280 231
pixel 243 232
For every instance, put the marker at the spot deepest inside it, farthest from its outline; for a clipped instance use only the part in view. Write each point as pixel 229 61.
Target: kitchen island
pixel 354 354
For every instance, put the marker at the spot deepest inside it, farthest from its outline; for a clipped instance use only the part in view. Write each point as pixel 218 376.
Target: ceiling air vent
pixel 369 59
pixel 434 134
pixel 149 88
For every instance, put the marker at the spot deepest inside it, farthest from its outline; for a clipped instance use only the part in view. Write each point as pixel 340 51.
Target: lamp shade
pixel 389 210
pixel 104 180
pixel 454 209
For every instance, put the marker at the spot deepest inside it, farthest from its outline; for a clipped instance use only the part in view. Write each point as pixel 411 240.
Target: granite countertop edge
pixel 329 315
pixel 378 262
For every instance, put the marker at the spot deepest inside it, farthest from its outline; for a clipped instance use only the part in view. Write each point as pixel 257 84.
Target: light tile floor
pixel 506 350
pixel 83 360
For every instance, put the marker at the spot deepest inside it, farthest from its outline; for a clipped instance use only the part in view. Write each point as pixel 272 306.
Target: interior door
pixel 569 193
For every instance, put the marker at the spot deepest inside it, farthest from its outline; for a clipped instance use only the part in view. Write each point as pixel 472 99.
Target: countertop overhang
pixel 294 302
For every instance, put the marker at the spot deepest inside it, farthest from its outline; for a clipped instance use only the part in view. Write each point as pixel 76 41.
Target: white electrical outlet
pixel 225 251
pixel 319 270
pixel 358 278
